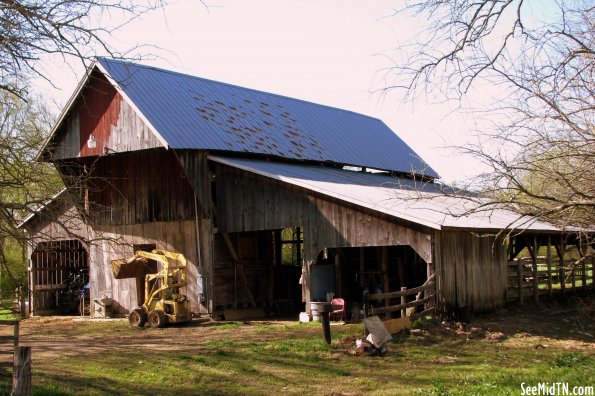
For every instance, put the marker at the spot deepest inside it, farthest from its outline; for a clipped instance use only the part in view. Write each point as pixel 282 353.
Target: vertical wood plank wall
pixel 103 113
pixel 116 242
pixel 471 271
pixel 249 202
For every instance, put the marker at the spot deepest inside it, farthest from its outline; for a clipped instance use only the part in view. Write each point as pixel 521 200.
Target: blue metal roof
pixel 195 113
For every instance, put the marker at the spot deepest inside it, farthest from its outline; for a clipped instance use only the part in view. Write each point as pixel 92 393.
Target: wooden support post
pixel 338 275
pixel 519 269
pixel 535 276
pixel 573 273
pixel 584 275
pixel 562 271
pixel 326 326
pixel 403 301
pixel 271 282
pixel 21 372
pixel 401 268
pixel 240 268
pixel 549 265
pixel 384 267
pixel 362 260
pixel 16 333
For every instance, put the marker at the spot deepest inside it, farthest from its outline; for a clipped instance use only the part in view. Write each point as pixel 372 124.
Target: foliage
pixel 537 141
pixel 25 185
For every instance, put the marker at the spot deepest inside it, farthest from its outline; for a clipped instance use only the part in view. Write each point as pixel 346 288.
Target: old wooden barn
pixel 274 201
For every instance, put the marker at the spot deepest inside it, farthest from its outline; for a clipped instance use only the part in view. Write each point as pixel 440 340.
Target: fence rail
pixel 427 303
pixel 531 279
pixel 14 301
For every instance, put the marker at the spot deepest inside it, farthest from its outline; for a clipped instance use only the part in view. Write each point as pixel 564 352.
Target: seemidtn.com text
pixel 556 388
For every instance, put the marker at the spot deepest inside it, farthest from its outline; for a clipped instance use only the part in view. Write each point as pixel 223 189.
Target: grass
pixel 108 358
pixel 6 311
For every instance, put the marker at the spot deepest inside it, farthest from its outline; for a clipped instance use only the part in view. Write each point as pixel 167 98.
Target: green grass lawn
pixel 6 311
pixel 90 358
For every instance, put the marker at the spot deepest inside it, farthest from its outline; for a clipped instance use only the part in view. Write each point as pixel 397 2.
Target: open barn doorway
pixel 60 278
pixel 353 272
pixel 258 273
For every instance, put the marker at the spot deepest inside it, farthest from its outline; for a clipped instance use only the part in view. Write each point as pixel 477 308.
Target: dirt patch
pixel 570 326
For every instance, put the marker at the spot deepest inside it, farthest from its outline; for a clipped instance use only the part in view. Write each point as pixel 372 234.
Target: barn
pixel 275 202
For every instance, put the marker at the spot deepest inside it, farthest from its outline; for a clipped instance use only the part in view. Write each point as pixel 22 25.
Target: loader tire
pixel 157 318
pixel 137 318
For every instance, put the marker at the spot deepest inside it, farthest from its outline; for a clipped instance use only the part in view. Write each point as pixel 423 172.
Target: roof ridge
pixel 159 69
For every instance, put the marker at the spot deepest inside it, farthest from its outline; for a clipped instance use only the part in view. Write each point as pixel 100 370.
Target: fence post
pixel 584 275
pixel 519 269
pixel 16 333
pixel 535 276
pixel 403 301
pixel 549 265
pixel 21 372
pixel 562 272
pixel 22 305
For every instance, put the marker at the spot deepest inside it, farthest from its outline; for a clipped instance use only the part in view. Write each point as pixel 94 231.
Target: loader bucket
pixel 136 267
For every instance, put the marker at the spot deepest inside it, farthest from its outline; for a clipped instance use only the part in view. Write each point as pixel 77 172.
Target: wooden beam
pixel 519 269
pixel 535 279
pixel 404 306
pixel 239 268
pixel 362 260
pixel 384 267
pixel 230 247
pixel 338 272
pixel 549 265
pixel 403 292
pixel 561 252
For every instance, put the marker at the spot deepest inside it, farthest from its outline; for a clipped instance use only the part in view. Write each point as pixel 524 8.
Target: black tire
pixel 157 318
pixel 137 318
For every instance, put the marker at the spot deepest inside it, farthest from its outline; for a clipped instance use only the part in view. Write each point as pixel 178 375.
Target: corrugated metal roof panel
pixel 194 113
pixel 402 198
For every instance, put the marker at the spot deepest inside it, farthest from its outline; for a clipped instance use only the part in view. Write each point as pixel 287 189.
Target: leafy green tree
pixel 25 184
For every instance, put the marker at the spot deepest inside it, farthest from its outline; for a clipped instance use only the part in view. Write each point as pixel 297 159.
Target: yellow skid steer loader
pixel 165 275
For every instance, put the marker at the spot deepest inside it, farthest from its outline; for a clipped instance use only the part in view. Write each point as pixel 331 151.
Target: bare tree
pixel 75 29
pixel 540 146
pixel 24 183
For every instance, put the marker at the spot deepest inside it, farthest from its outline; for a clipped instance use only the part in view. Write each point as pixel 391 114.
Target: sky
pixel 332 52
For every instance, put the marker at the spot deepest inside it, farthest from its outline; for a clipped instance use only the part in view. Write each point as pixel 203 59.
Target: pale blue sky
pixel 331 52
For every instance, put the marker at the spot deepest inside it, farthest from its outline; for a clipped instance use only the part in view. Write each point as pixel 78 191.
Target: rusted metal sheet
pixel 194 113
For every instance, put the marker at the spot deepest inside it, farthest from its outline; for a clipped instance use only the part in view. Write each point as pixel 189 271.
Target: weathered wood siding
pixel 471 271
pixel 138 187
pixel 249 202
pixel 107 242
pixel 117 242
pixel 100 111
pixel 255 250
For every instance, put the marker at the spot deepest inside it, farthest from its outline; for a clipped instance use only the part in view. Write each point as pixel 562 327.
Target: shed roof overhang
pixel 420 202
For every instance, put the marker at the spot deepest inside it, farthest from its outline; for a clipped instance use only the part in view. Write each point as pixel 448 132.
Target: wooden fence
pixel 15 301
pixel 424 296
pixel 529 278
pixel 21 361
